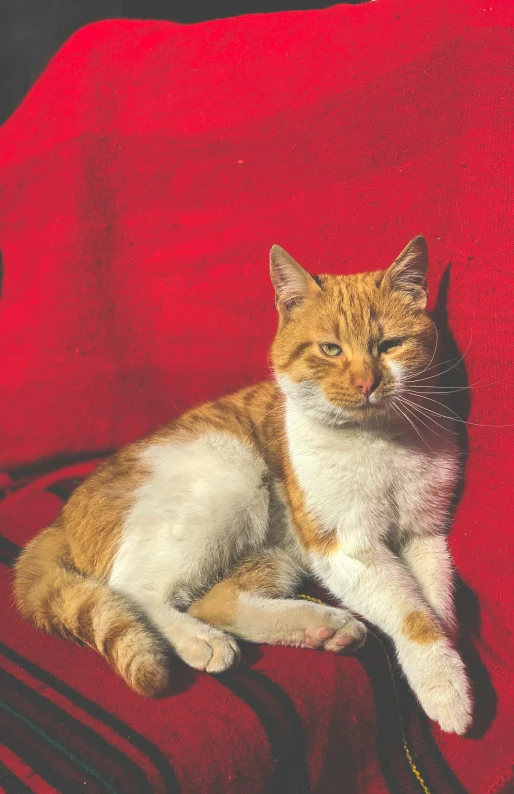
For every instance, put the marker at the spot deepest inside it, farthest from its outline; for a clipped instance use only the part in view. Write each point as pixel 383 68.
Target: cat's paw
pixel 445 695
pixel 210 650
pixel 333 630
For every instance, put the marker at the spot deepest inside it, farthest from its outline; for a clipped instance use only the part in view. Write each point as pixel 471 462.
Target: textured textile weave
pixel 142 183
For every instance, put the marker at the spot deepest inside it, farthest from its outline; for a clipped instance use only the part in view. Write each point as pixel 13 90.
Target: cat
pixel 203 531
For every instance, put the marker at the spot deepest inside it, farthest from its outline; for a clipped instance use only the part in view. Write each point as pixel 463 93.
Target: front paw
pixel 208 649
pixel 334 630
pixel 445 693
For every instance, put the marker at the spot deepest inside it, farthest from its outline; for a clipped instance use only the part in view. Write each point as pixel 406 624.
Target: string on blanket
pixel 406 748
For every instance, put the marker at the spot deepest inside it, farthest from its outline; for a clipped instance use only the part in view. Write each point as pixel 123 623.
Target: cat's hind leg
pixel 202 505
pixel 253 604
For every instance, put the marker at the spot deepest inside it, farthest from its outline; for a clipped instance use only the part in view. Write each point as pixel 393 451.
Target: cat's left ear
pixel 293 285
pixel 408 273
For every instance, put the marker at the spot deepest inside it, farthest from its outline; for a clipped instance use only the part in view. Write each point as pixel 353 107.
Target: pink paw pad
pixel 317 637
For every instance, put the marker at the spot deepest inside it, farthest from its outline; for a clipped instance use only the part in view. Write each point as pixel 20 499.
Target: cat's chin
pixel 368 412
pixel 307 398
pixel 341 416
pixel 375 412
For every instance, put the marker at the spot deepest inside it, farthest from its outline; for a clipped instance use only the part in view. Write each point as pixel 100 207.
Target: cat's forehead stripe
pixel 353 303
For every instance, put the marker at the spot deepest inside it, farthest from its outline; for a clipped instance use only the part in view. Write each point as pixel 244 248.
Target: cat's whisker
pixel 423 371
pixel 430 399
pixel 455 418
pixel 480 384
pixel 412 379
pixel 415 415
pixel 434 366
pixel 428 367
pixel 438 389
pixel 257 424
pixel 336 417
pixel 400 413
pixel 439 374
pixel 442 391
pixel 455 415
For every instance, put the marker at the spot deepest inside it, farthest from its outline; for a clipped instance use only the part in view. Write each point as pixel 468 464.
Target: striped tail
pixel 59 600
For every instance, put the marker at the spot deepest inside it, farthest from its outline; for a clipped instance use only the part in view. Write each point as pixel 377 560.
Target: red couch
pixel 142 183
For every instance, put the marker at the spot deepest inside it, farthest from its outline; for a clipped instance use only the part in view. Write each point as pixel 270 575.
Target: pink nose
pixel 366 385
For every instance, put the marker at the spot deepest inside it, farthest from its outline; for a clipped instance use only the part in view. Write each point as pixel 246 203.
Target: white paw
pixel 445 694
pixel 332 629
pixel 209 649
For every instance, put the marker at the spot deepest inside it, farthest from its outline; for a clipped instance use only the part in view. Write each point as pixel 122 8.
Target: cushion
pixel 142 183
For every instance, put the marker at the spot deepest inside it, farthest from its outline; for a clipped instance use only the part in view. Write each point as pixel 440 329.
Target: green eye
pixel 330 350
pixel 389 344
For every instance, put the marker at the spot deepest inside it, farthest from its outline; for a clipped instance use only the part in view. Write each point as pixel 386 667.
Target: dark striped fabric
pixel 287 722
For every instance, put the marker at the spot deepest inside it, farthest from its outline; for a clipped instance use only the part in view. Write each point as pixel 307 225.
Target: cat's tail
pixel 59 600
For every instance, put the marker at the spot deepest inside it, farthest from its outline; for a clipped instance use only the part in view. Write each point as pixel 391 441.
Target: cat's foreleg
pixel 255 603
pixel 429 560
pixel 375 583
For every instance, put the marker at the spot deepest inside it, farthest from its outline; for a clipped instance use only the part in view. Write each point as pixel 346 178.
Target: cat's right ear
pixel 292 283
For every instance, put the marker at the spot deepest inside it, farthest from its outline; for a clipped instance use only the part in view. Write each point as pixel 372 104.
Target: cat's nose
pixel 367 385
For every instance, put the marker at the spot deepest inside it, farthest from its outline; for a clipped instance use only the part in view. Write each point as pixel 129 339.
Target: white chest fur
pixel 369 484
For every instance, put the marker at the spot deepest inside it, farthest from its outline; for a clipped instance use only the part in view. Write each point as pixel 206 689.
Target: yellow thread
pixel 409 757
pixel 404 738
pixel 310 598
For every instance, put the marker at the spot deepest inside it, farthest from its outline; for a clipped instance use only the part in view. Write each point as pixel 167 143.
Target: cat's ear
pixel 292 283
pixel 408 273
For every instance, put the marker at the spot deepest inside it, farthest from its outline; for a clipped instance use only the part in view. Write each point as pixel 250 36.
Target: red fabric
pixel 142 183
pixel 287 722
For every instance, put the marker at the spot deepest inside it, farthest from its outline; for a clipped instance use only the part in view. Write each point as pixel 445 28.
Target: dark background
pixel 31 31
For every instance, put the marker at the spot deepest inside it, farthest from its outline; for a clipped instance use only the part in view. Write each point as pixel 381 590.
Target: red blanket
pixel 142 183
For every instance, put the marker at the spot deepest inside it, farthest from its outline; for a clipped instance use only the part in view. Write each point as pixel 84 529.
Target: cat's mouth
pixel 375 400
pixel 374 404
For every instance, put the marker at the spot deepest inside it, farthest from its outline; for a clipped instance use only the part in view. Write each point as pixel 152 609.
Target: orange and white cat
pixel 202 532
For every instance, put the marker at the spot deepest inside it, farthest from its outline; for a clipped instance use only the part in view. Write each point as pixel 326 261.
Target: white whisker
pixel 430 399
pixel 411 380
pixel 434 366
pixel 446 429
pixel 433 354
pixel 453 418
pixel 450 389
pixel 430 429
pixel 257 424
pixel 399 411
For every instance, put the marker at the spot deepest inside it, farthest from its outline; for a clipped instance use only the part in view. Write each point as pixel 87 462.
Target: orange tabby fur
pixel 86 535
pixel 63 582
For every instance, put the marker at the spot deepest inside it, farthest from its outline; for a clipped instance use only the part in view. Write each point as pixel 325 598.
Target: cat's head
pixel 347 345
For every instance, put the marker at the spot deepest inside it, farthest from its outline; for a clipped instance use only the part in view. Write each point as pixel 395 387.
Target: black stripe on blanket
pixel 408 760
pixel 281 724
pixel 144 745
pixel 77 740
pixel 19 738
pixel 453 782
pixel 12 784
pixel 391 756
pixel 295 727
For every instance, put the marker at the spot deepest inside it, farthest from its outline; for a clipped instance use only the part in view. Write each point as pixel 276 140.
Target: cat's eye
pixel 330 349
pixel 389 344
